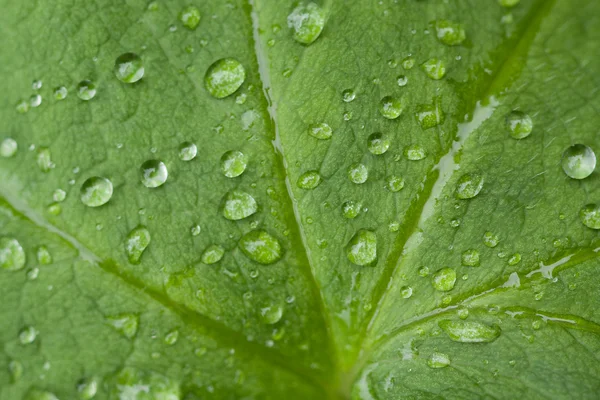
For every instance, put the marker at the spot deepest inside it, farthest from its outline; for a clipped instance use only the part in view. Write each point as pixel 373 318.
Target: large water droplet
pixel 126 324
pixel 212 254
pixel 309 180
pixel 129 68
pixel 134 384
pixel 153 173
pixel 590 216
pixel 578 161
pixel 12 255
pixel 438 360
pixel 233 163
pixel 378 143
pixel 519 124
pixel 272 314
pixel 238 205
pixel 8 147
pixel 60 93
pixel 450 33
pixel 469 186
pixel 44 159
pixel 358 173
pixel 307 22
pixel 348 95
pixel 96 191
pixel 430 115
pixel 137 241
pixel 224 77
pixel 86 90
pixel 434 68
pixel 321 131
pixel 27 335
pixel 190 17
pixel 395 183
pixel 87 388
pixel 187 151
pixel 390 107
pixel 490 239
pixel 470 258
pixel 362 248
pixel 351 209
pixel 444 279
pixel 415 152
pixel 470 332
pixel 261 247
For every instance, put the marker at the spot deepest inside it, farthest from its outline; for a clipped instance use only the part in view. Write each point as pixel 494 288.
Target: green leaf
pixel 281 199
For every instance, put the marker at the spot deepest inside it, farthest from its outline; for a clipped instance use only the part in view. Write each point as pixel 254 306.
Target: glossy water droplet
pixel 470 258
pixel 60 93
pixel 153 173
pixel 190 17
pixel 87 388
pixel 378 143
pixel 187 151
pixel 514 259
pixel 415 152
pixel 438 360
pixel 578 161
pixel 134 384
pixel 271 315
pixel 126 324
pixel 213 254
pixel 35 394
pixel 348 95
pixel 351 209
pixel 44 159
pixel 321 131
pixel 309 180
pixel 590 216
pixel 172 337
pixel 86 90
pixel 8 147
pixel 424 271
pixel 129 68
pixel 261 247
pixel 307 22
pixel 238 205
pixel 27 335
pixel 362 248
pixel 43 255
pixel 402 80
pixel 358 173
pixel 490 239
pixel 22 107
pixel 36 84
pixel 444 279
pixel 15 368
pixel 519 124
pixel 137 241
pixel 406 292
pixel 35 100
pixel 470 332
pixel 233 163
pixel 463 313
pixel 408 63
pixel 59 195
pixel 469 186
pixel 390 107
pixel 224 77
pixel 434 68
pixel 508 3
pixel 12 255
pixel 96 191
pixel 195 230
pixel 449 33
pixel 430 115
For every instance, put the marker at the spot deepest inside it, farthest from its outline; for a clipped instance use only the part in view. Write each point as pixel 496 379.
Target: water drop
pixel 390 107
pixel 35 394
pixel 470 332
pixel 490 239
pixel 395 183
pixel 424 271
pixel 60 93
pixel 438 360
pixel 96 191
pixel 578 161
pixel 514 259
pixel 153 173
pixel 59 195
pixel 463 313
pixel 261 247
pixel 190 17
pixel 470 258
pixel 434 68
pixel 187 151
pixel 415 152
pixel 12 255
pixel 8 147
pixel 362 248
pixel 519 124
pixel 408 63
pixel 449 33
pixel 15 368
pixel 126 324
pixel 590 216
pixel 469 186
pixel 86 90
pixel 171 337
pixel 43 255
pixel 137 241
pixel 129 68
pixel 406 292
pixel 430 115
pixel 195 230
pixel 238 205
pixel 36 84
pixel 44 159
pixel 212 254
pixel 378 143
pixel 27 335
pixel 271 315
pixel 136 384
pixel 87 388
pixel 307 22
pixel 35 100
pixel 22 106
pixel 348 95
pixel 224 77
pixel 508 3
pixel 320 131
pixel 233 163
pixel 402 80
pixel 358 173
pixel 309 180
pixel 444 279
pixel 351 209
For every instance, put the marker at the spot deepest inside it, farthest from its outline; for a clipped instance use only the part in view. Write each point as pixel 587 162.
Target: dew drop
pixel 271 315
pixel 22 107
pixel 307 22
pixel 470 332
pixel 35 100
pixel 469 186
pixel 508 3
pixel 402 80
pixel 351 209
pixel 35 394
pixel 321 131
pixel 514 259
pixel 463 313
pixel 444 279
pixel 129 68
pixel 233 163
pixel 8 148
pixel 415 152
pixel 578 161
pixel 172 337
pixel 430 115
pixel 12 255
pixel 590 216
pixel 15 368
pixel 126 324
pixel 190 17
pixel 238 205
pixel 60 93
pixel 348 95
pixel 362 248
pixel 406 292
pixel 358 173
pixel 87 388
pixel 490 239
pixel 43 255
pixel 136 384
pixel 424 271
pixel 309 180
pixel 86 90
pixel 261 247
pixel 224 77
pixel 187 151
pixel 390 107
pixel 27 335
pixel 195 230
pixel 96 191
pixel 438 360
pixel 519 124
pixel 408 63
pixel 434 68
pixel 212 254
pixel 449 33
pixel 395 183
pixel 137 241
pixel 59 195
pixel 470 258
pixel 378 143
pixel 153 173
pixel 44 159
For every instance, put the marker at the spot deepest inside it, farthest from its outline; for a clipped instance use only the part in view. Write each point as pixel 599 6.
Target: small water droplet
pixel 362 248
pixel 358 173
pixel 86 90
pixel 468 186
pixel 424 271
pixel 351 209
pixel 233 163
pixel 438 360
pixel 8 148
pixel 87 388
pixel 449 33
pixel 578 161
pixel 490 239
pixel 44 159
pixel 35 100
pixel 348 95
pixel 320 131
pixel 470 332
pixel 590 216
pixel 59 195
pixel 415 152
pixel 406 292
pixel 309 180
pixel 463 313
pixel 60 93
pixel 238 205
pixel 22 106
pixel 190 17
pixel 27 335
pixel 43 255
pixel 514 259
pixel 395 183
pixel 12 255
pixel 444 279
pixel 508 3
pixel 261 247
pixel 137 241
pixel 187 151
pixel 96 191
pixel 195 230
pixel 224 77
pixel 212 254
pixel 402 80
pixel 434 68
pixel 470 258
pixel 126 324
pixel 15 368
pixel 390 107
pixel 307 22
pixel 378 143
pixel 272 314
pixel 171 337
pixel 408 63
pixel 129 68
pixel 153 173
pixel 519 124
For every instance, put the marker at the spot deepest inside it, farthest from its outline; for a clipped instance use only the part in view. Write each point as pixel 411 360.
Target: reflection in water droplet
pixel 320 131
pixel 470 258
pixel 469 186
pixel 43 255
pixel 12 255
pixel 406 292
pixel 307 22
pixel 233 163
pixel 362 248
pixel 519 124
pixel 430 115
pixel 444 279
pixel 187 151
pixel 309 180
pixel 402 80
pixel 44 159
pixel 578 161
pixel 271 315
pixel 126 324
pixel 60 93
pixel 15 368
pixel 86 90
pixel 96 191
pixel 129 68
pixel 415 152
pixel 590 216
pixel 390 107
pixel 172 337
pixel 450 33
pixel 134 384
pixel 87 388
pixel 490 239
pixel 224 77
pixel 212 254
pixel 137 241
pixel 35 100
pixel 261 247
pixel 395 183
pixel 378 143
pixel 27 335
pixel 8 147
pixel 438 360
pixel 470 332
pixel 514 259
pixel 153 173
pixel 238 205
pixel 190 17
pixel 348 95
pixel 351 209
pixel 358 173
pixel 434 68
